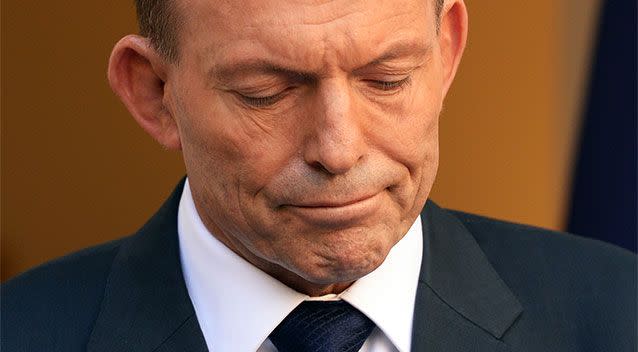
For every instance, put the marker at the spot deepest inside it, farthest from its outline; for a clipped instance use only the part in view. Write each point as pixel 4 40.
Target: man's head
pixel 309 129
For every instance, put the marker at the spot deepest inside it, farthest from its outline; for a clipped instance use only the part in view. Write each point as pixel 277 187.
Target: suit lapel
pixel 146 306
pixel 462 304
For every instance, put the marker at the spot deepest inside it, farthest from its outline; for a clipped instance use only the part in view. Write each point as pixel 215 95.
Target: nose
pixel 335 142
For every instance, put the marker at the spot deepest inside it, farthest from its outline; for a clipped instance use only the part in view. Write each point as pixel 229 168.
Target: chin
pixel 344 264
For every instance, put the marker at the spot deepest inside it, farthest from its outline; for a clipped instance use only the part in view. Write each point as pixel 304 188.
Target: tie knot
pixel 322 326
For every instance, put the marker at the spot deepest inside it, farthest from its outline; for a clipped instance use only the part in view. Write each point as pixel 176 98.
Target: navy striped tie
pixel 322 326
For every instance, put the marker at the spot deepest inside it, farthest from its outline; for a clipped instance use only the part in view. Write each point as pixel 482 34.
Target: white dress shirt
pixel 238 305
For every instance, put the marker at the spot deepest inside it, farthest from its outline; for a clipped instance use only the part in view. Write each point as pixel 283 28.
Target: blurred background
pixel 539 127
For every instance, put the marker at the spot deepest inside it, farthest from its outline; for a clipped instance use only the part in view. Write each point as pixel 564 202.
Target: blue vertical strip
pixel 604 182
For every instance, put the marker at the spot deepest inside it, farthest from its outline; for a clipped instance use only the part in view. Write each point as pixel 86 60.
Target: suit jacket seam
pixel 466 318
pixel 186 320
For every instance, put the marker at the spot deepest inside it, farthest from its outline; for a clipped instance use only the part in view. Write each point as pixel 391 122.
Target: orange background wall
pixel 76 170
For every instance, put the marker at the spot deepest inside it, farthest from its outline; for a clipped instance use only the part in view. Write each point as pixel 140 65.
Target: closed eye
pixel 389 85
pixel 262 102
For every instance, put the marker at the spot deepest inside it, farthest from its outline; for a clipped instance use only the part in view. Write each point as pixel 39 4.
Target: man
pixel 309 134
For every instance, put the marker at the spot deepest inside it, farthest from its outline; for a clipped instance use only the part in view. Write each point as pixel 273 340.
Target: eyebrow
pixel 229 72
pixel 401 50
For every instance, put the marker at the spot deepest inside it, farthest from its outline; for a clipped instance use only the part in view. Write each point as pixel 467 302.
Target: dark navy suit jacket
pixel 485 285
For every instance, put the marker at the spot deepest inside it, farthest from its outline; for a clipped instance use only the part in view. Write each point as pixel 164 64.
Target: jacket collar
pixel 146 306
pixel 462 304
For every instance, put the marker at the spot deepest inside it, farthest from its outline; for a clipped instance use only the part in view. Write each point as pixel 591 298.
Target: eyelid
pixel 264 101
pixel 387 85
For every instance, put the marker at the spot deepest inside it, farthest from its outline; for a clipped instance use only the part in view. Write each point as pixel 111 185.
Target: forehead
pixel 309 32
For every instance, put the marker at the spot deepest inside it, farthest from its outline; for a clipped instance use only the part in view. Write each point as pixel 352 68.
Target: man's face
pixel 309 128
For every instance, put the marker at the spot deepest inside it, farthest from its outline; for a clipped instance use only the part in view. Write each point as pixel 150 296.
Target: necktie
pixel 322 326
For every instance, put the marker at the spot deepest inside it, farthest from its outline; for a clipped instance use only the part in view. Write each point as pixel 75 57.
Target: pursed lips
pixel 331 203
pixel 337 213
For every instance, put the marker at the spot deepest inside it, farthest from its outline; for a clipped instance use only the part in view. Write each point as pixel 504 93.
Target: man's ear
pixel 137 73
pixel 452 38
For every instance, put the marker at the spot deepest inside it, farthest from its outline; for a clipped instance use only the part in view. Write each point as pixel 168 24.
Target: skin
pixel 309 129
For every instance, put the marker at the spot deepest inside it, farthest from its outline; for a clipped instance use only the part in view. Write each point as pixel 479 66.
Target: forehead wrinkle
pixel 315 20
pixel 324 57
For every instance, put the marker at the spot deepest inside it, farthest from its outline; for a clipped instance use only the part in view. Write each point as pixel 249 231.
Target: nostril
pixel 317 166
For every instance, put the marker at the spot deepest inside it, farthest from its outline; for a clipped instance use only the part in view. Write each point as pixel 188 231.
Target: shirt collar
pixel 238 305
pixel 387 294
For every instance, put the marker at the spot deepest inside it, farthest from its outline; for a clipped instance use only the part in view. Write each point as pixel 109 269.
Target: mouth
pixel 331 203
pixel 337 213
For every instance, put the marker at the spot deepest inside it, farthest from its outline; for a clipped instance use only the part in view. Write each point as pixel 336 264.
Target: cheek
pixel 233 153
pixel 229 158
pixel 409 136
pixel 421 142
pixel 409 133
pixel 422 113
